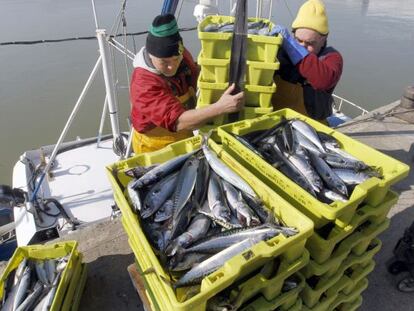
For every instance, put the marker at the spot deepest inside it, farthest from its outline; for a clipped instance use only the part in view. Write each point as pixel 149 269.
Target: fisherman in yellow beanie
pixel 309 70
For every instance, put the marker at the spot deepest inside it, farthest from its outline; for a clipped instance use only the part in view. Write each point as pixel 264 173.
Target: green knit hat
pixel 163 39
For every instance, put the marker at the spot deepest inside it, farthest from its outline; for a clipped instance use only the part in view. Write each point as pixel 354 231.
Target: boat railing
pixel 339 102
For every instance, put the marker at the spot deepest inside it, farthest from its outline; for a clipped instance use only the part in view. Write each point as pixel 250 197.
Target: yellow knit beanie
pixel 312 15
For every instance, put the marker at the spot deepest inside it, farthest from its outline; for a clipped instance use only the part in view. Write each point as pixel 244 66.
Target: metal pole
pixel 109 85
pixel 95 16
pixel 66 128
pixel 101 125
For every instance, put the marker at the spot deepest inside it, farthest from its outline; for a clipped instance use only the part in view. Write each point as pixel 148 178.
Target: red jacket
pixel 154 96
pixel 322 72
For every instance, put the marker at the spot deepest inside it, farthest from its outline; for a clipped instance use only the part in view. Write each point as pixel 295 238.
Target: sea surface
pixel 40 84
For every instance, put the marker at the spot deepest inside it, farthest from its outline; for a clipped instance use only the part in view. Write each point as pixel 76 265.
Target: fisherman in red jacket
pixel 309 70
pixel 163 90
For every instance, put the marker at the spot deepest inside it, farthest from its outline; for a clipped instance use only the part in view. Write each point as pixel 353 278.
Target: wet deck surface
pixel 106 250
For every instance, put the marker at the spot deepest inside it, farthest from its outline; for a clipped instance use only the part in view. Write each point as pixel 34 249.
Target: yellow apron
pixel 290 95
pixel 159 137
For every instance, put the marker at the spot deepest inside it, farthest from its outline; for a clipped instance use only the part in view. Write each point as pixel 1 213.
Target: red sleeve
pixel 322 73
pixel 153 102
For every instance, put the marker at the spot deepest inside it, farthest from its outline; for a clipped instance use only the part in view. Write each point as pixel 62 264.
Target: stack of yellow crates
pixel 345 238
pixel 214 60
pixel 258 279
pixel 72 281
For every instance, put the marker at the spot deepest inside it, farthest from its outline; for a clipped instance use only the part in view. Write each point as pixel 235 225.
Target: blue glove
pixel 294 50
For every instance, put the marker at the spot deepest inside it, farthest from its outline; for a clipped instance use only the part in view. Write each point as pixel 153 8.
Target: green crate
pixel 284 301
pixel 217 71
pixel 259 96
pixel 350 306
pixel 73 303
pixel 261 73
pixel 270 287
pixel 358 272
pixel 214 70
pixel 297 306
pixel 218 44
pixel 329 297
pixel 372 191
pixel 342 298
pixel 311 296
pixel 331 266
pixel 321 248
pixel 48 251
pixel 156 279
pixel 76 286
pixel 245 113
pixel 255 96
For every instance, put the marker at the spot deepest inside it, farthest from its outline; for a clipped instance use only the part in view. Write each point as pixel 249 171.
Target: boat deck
pixel 108 255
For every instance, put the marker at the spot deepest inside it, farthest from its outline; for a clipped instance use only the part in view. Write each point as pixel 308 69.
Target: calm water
pixel 39 84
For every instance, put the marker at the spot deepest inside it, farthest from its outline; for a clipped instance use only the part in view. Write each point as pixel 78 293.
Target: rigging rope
pixel 82 38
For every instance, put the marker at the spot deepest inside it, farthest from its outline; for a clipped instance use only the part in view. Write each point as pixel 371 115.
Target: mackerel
pixel 351 177
pixel 216 200
pixel 220 241
pixel 158 194
pixel 225 172
pixel 328 175
pixel 308 131
pixel 196 274
pixel 244 213
pixel 162 170
pixel 185 184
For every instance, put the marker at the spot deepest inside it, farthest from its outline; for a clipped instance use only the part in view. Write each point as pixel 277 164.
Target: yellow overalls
pixel 290 95
pixel 159 137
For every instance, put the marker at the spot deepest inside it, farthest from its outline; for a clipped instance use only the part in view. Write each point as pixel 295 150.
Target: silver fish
pixel 31 298
pixel 220 241
pixel 225 172
pixel 331 179
pixel 308 131
pixel 211 27
pixel 22 287
pixel 185 184
pixel 158 194
pixel 244 214
pixel 50 267
pixel 162 170
pixel 337 161
pixel 165 212
pixel 134 196
pixel 196 274
pixel 303 165
pixel 41 272
pixel 225 224
pixel 351 177
pixel 216 200
pixel 332 196
pixel 187 261
pixel 196 230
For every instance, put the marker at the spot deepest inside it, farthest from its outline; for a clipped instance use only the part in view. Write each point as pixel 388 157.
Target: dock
pixel 389 129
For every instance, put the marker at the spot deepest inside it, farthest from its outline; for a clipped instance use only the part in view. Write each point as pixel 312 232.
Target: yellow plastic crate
pixel 217 71
pixel 75 287
pixel 285 301
pixel 261 73
pixel 331 266
pixel 372 191
pixel 350 306
pixel 353 265
pixel 329 298
pixel 321 248
pixel 255 96
pixel 245 113
pixel 48 251
pixel 342 298
pixel 156 278
pixel 270 287
pixel 214 70
pixel 218 44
